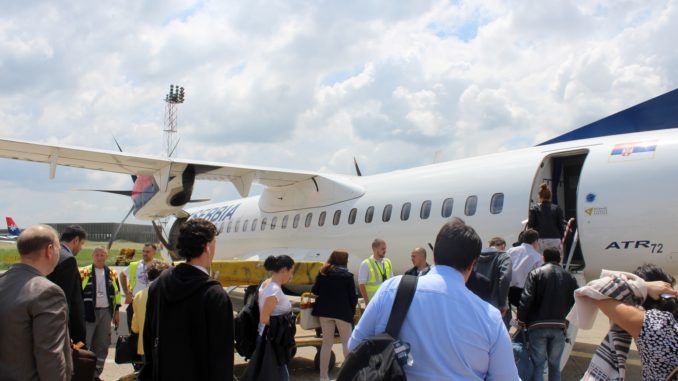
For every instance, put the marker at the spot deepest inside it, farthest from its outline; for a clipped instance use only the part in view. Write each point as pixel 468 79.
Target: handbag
pixel 126 348
pixel 521 354
pixel 306 318
pixel 264 365
pixel 84 363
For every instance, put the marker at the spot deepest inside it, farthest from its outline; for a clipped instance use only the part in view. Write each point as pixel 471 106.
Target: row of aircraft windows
pixel 496 206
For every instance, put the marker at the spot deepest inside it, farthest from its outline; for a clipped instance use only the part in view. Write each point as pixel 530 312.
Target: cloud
pixel 311 85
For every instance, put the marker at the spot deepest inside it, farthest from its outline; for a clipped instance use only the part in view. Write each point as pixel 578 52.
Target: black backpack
pixel 246 325
pixel 380 357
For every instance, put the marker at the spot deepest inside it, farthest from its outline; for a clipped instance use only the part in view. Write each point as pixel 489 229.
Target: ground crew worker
pixel 374 270
pixel 138 280
pixel 102 300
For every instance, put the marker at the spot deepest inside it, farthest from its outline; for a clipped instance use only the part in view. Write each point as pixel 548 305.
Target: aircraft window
pixel 497 203
pixel 274 222
pixel 405 211
pixel 283 225
pixel 369 213
pixel 309 217
pixel 237 226
pixel 352 215
pixel 245 225
pixel 264 221
pixel 386 215
pixel 447 207
pixel 295 222
pixel 321 219
pixel 228 229
pixel 425 209
pixel 254 224
pixel 337 217
pixel 471 204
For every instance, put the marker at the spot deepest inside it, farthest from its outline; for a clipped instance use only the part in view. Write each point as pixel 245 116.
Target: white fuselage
pixel 624 205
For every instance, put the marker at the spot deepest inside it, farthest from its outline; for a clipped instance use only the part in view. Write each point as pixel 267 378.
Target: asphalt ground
pixel 302 366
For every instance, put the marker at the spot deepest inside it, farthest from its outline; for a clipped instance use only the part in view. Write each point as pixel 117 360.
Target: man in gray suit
pixel 35 343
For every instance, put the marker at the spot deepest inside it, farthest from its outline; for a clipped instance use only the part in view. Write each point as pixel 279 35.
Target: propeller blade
pixel 134 178
pixel 120 192
pixel 357 168
pixel 200 200
pixel 115 234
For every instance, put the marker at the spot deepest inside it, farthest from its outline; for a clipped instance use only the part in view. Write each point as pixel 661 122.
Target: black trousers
pixel 514 296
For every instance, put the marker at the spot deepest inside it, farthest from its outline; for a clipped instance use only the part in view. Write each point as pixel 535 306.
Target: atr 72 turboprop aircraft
pixel 616 177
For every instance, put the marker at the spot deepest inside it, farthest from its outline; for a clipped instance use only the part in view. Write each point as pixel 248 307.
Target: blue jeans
pixel 546 346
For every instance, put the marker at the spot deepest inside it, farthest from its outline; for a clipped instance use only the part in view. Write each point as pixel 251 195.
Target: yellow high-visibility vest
pixel 376 279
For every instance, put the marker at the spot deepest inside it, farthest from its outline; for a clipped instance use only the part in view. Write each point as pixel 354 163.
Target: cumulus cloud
pixel 312 85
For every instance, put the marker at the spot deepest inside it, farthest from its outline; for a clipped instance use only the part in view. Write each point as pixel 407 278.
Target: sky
pixel 310 84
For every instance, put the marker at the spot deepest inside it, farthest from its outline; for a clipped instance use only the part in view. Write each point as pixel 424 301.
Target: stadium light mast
pixel 172 99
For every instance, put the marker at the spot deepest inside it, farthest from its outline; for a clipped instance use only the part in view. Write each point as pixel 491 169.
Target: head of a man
pixel 155 268
pixel 531 237
pixel 74 237
pixel 551 254
pixel 148 252
pixel 457 245
pixel 99 256
pixel 38 246
pixel 197 240
pixel 498 243
pixel 418 257
pixel 379 248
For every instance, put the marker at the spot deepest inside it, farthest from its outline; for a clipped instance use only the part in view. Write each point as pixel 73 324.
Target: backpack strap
pixel 401 304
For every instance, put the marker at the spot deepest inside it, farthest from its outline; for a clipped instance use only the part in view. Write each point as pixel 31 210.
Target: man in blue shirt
pixel 452 333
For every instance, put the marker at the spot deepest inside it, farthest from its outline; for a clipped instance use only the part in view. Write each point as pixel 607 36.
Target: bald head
pixel 38 246
pixel 418 257
pixel 36 238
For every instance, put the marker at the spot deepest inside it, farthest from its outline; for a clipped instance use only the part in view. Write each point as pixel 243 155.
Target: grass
pixel 9 255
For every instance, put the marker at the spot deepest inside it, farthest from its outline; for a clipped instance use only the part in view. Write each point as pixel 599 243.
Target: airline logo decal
pixel 596 211
pixel 216 214
pixel 633 151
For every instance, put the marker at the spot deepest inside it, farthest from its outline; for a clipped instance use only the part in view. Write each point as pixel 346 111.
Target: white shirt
pixel 142 278
pixel 524 258
pixel 101 298
pixel 282 307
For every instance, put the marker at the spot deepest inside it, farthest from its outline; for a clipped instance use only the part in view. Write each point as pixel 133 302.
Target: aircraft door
pixel 561 172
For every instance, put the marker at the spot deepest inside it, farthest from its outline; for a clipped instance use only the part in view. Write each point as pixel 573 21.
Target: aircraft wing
pixel 120 162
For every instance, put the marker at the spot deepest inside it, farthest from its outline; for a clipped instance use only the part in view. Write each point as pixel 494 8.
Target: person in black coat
pixel 67 276
pixel 547 219
pixel 189 315
pixel 335 305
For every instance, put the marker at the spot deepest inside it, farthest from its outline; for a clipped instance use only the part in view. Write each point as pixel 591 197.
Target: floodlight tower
pixel 172 99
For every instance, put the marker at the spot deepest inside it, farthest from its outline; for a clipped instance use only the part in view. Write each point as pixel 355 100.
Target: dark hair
pixel 194 234
pixel 650 272
pixel 278 263
pixel 72 232
pixel 337 258
pixel 529 236
pixel 36 240
pixel 457 245
pixel 544 192
pixel 497 241
pixel 551 254
pixel 155 268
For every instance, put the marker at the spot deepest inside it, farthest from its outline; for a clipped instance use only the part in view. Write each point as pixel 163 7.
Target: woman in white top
pixel 272 300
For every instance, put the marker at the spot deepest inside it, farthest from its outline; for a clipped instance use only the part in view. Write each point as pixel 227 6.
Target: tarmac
pixel 302 366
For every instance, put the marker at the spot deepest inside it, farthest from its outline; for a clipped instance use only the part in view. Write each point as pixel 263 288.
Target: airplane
pixel 615 177
pixel 13 231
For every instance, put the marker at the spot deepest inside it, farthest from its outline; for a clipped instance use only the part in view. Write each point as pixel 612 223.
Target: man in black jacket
pixel 547 297
pixel 67 276
pixel 421 267
pixel 189 315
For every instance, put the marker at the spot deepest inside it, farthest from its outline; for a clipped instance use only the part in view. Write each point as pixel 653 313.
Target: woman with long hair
pixel 335 305
pixel 547 219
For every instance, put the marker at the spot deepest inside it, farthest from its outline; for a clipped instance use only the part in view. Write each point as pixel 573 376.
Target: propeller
pixel 357 168
pixel 115 234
